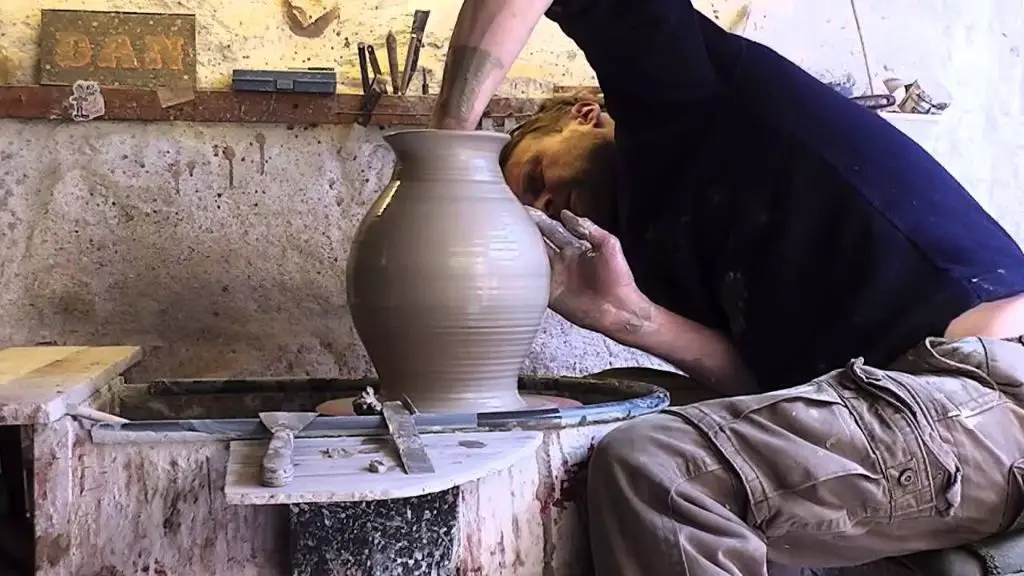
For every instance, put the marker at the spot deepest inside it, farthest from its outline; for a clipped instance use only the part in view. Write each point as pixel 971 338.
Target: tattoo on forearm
pixel 466 71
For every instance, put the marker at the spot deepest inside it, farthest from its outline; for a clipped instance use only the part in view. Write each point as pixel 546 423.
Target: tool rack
pixel 137 104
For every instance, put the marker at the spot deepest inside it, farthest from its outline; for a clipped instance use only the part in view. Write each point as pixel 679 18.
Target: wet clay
pixel 448 276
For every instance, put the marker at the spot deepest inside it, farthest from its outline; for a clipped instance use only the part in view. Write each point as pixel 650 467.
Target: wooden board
pixel 117 48
pixel 137 104
pixel 337 469
pixel 38 383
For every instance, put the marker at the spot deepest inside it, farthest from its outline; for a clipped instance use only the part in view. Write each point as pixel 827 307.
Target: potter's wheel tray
pixel 238 401
pixel 546 397
pixel 344 406
pixel 332 449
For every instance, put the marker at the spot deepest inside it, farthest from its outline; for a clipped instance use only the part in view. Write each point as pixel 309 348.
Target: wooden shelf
pixel 51 102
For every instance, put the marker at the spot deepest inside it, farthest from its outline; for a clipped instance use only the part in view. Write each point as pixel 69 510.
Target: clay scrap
pixel 310 18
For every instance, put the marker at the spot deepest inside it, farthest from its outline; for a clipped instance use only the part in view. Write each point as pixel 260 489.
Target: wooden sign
pixel 117 48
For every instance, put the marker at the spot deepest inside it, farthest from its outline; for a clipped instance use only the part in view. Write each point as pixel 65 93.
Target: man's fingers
pixel 554 232
pixel 576 225
pixel 585 229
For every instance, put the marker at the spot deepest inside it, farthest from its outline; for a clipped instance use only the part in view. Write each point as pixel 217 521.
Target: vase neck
pixel 447 155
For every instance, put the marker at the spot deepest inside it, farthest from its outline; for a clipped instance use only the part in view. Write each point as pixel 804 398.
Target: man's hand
pixel 592 287
pixel 591 284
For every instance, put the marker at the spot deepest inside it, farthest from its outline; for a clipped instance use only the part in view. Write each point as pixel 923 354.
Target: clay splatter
pixel 7 67
pixel 191 167
pixel 229 155
pixel 306 24
pixel 335 452
pixel 261 141
pixel 176 174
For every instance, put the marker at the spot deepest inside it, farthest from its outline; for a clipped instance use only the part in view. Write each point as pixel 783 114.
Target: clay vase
pixel 448 276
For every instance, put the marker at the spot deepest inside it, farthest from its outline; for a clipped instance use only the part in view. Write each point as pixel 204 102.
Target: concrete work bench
pixel 175 489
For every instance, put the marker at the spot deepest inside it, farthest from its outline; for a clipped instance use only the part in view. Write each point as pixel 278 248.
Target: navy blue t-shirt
pixel 761 202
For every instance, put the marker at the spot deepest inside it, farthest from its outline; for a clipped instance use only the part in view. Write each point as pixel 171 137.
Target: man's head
pixel 563 158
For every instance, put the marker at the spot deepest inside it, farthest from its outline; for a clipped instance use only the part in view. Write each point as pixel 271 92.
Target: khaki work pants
pixel 858 465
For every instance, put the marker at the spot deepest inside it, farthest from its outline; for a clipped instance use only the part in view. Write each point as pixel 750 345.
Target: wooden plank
pixel 15 362
pixel 337 469
pixel 117 48
pixel 34 391
pixel 52 102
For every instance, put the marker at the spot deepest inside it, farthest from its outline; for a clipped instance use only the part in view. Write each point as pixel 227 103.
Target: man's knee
pixel 657 449
pixel 631 475
pixel 625 448
pixel 661 497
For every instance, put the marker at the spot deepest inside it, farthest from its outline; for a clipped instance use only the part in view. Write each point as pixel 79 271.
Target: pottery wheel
pixel 343 406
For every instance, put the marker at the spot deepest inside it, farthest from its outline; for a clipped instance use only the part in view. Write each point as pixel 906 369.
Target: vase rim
pixel 477 135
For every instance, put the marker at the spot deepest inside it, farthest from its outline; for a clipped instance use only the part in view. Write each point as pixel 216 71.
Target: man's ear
pixel 586 112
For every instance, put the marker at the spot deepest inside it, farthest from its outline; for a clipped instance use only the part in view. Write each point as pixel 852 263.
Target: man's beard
pixel 595 192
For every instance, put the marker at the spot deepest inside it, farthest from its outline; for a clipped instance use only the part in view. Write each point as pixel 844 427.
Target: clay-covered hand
pixel 591 283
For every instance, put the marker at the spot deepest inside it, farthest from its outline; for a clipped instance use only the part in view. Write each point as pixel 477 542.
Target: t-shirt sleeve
pixel 645 52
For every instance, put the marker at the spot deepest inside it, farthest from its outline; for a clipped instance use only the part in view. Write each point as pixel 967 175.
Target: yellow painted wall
pixel 255 34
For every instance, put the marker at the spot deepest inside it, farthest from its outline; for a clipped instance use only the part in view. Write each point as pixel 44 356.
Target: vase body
pixel 448 277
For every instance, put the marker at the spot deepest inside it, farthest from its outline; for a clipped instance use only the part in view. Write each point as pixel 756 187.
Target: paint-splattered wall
pixel 223 246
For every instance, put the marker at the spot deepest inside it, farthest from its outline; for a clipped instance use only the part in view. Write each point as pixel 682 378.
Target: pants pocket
pixel 804 460
pixel 1013 512
pixel 920 465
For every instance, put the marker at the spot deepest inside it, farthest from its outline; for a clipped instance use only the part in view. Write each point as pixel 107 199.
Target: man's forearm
pixel 488 36
pixel 702 353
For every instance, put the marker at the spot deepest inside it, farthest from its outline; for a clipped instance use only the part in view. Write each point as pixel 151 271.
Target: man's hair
pixel 548 118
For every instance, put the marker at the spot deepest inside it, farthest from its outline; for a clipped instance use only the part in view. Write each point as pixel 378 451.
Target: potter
pixel 857 313
pixel 448 277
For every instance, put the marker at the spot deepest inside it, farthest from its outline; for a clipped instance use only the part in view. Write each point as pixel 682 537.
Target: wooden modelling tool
pixel 278 468
pixel 396 75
